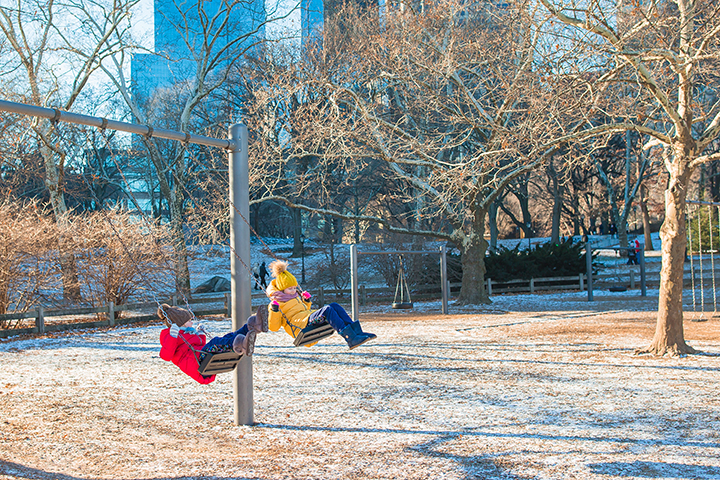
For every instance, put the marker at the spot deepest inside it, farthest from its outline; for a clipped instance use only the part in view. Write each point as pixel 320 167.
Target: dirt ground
pixel 520 390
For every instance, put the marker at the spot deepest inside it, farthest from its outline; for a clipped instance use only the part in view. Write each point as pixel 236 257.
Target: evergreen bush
pixel 550 259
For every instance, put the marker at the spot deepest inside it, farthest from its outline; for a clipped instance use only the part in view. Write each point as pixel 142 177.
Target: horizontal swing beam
pixel 54 114
pixel 397 252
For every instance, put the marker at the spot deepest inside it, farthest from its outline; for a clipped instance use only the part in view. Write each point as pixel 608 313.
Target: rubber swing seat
pixel 402 305
pixel 313 333
pixel 214 363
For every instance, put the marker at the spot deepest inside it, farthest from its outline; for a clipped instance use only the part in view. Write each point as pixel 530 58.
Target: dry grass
pixel 507 395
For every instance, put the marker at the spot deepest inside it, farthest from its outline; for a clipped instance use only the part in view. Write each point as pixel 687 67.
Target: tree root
pixel 670 350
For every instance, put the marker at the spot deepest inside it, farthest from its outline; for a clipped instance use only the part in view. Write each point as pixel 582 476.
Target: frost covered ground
pixel 531 387
pixel 541 386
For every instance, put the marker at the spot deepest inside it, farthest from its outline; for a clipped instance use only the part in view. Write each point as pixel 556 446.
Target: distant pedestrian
pixel 633 252
pixel 263 272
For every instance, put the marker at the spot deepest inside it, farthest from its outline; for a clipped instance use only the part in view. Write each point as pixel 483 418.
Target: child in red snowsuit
pixel 186 346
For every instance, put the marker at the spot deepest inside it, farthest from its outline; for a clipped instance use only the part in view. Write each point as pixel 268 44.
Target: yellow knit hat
pixel 283 278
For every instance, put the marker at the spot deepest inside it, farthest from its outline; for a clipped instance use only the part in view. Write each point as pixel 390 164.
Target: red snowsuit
pixel 175 350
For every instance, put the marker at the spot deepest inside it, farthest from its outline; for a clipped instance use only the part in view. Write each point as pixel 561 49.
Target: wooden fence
pixel 42 316
pixel 628 278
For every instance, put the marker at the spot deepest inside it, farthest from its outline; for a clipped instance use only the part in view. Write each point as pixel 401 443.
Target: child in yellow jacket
pixel 292 310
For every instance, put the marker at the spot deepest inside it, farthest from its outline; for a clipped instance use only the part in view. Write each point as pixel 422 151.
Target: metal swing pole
pixel 355 301
pixel 240 281
pixel 444 284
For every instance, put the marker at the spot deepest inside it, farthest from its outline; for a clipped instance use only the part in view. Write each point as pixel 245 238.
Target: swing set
pixel 237 147
pixel 402 300
pixel 703 235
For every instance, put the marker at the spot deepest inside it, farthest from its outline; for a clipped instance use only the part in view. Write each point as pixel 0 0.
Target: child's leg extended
pixel 241 341
pixel 334 314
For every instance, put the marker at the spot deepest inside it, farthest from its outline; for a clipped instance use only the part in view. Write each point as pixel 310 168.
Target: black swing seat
pixel 402 305
pixel 313 333
pixel 214 363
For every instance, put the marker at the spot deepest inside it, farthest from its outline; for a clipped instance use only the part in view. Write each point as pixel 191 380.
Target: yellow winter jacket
pixel 293 316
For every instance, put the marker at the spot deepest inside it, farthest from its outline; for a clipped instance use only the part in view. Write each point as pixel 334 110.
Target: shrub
pixel 546 260
pixel 28 262
pixel 119 256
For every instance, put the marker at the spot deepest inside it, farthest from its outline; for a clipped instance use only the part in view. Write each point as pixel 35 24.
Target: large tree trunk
pixel 669 335
pixel 473 249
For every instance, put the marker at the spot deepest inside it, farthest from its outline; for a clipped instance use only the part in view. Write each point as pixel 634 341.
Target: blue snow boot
pixel 358 329
pixel 354 336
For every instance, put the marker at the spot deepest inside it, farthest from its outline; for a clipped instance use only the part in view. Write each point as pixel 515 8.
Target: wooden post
pixel 228 304
pixel 632 278
pixel 582 287
pixel 532 285
pixel 40 319
pixel 111 313
pixel 489 286
pixel 321 296
pixel 363 295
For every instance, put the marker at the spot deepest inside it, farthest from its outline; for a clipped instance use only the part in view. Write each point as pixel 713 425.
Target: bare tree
pixel 447 100
pixel 54 68
pixel 27 245
pixel 666 52
pixel 120 257
pixel 622 171
pixel 214 43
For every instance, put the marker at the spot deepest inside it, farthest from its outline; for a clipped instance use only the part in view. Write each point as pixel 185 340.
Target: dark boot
pixel 352 337
pixel 259 322
pixel 245 344
pixel 358 330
